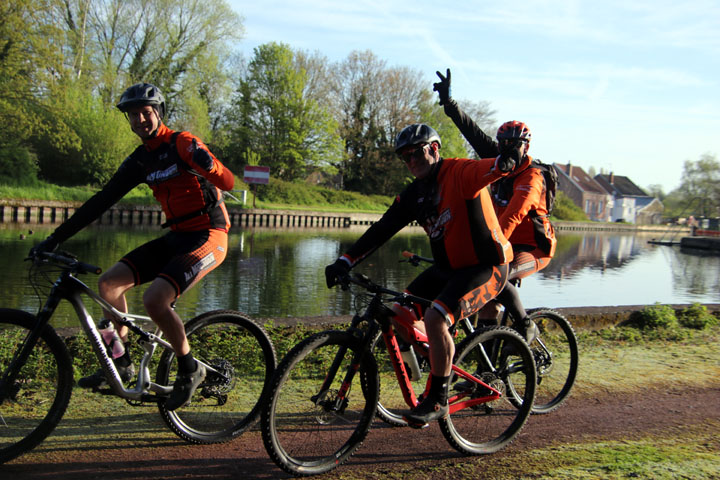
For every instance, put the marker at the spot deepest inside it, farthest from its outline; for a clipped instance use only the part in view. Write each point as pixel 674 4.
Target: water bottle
pixel 115 346
pixel 411 363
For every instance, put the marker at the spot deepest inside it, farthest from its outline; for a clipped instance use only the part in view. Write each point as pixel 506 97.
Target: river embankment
pixel 582 318
pixel 22 212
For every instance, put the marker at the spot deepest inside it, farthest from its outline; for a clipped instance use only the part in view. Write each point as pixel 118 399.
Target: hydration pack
pixel 551 180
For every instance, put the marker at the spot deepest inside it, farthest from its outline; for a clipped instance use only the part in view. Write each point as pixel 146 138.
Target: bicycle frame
pixel 378 316
pixel 70 288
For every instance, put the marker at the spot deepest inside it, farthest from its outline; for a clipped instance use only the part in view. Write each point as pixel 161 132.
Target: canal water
pixel 280 272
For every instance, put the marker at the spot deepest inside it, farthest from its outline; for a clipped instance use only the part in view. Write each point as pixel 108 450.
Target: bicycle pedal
pixel 416 426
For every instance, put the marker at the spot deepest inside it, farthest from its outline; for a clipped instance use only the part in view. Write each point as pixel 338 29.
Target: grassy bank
pixel 659 349
pixel 277 195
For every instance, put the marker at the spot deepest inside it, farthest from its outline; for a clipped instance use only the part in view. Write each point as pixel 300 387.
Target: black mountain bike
pixel 36 371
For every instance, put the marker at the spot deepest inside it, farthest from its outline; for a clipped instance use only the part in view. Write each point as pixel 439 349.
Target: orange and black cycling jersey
pixel 456 211
pixel 520 203
pixel 188 189
pixel 519 198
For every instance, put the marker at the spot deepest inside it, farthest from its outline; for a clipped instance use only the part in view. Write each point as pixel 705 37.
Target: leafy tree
pixel 276 120
pixel 99 138
pixel 27 43
pixel 372 103
pixel 700 185
pixel 156 41
pixel 655 190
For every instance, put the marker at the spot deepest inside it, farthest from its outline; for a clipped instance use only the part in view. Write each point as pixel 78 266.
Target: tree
pixel 655 190
pixel 27 44
pixel 700 184
pixel 275 118
pixel 84 53
pixel 372 103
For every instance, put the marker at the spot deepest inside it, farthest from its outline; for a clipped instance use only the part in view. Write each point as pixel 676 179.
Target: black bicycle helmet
pixel 142 94
pixel 415 134
pixel 514 129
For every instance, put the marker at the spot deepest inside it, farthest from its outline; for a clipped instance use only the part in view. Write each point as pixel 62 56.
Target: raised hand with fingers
pixel 443 87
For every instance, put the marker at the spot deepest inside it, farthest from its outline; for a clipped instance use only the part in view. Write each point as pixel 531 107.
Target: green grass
pixel 277 195
pixel 609 362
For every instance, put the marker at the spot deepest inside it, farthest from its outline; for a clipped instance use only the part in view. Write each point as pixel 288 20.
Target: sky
pixel 629 87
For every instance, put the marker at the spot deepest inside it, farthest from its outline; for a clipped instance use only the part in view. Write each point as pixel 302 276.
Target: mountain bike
pixel 36 370
pixel 555 350
pixel 314 419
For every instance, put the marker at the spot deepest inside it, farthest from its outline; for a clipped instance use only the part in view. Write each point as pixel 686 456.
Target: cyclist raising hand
pixel 449 200
pixel 519 199
pixel 187 180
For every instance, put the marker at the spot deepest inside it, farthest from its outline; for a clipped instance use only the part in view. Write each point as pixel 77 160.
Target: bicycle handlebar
pixel 69 260
pixel 372 287
pixel 414 259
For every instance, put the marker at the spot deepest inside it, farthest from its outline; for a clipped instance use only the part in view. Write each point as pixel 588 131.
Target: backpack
pixel 551 180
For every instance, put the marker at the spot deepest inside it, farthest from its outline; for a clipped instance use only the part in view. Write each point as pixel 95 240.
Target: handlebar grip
pixel 87 268
pixel 407 254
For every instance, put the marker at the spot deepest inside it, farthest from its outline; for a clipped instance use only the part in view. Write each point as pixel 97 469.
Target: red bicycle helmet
pixel 514 129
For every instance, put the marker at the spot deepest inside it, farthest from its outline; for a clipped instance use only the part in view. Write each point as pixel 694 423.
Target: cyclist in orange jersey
pixel 187 180
pixel 449 200
pixel 520 203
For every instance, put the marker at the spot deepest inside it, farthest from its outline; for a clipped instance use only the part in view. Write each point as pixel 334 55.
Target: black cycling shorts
pixel 181 258
pixel 459 293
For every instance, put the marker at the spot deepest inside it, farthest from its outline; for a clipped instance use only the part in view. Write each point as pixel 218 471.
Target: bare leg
pixel 158 299
pixel 442 347
pixel 112 286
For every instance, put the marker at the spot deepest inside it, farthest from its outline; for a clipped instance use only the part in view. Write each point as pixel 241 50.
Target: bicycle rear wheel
pixel 488 427
pixel 32 406
pixel 556 357
pixel 224 405
pixel 308 430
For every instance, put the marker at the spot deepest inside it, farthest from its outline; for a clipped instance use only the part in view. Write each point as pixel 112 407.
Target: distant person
pixel 519 199
pixel 449 200
pixel 187 180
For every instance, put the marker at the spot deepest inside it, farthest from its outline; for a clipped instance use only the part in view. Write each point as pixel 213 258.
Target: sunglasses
pixel 512 141
pixel 416 153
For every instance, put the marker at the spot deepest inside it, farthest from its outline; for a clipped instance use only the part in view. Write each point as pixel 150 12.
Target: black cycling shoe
pixel 97 379
pixel 184 387
pixel 427 411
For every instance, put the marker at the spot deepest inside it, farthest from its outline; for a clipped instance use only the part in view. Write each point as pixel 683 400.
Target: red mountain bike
pixel 324 394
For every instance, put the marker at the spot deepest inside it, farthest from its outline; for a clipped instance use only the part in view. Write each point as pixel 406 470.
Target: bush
pixel 565 209
pixel 696 316
pixel 654 317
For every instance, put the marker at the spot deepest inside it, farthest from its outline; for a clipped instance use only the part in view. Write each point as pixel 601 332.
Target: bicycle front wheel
pixel 33 404
pixel 500 358
pixel 227 402
pixel 556 356
pixel 308 425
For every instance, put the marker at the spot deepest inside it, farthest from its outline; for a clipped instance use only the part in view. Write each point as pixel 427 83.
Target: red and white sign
pixel 256 174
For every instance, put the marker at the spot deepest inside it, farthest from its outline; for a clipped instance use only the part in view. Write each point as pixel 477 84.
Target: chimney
pixel 569 170
pixel 612 178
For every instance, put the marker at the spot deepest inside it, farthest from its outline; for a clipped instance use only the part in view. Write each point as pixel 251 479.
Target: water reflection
pixel 279 273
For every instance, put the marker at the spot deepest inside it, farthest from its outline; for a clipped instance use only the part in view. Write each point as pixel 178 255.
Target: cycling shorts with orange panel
pixel 461 292
pixel 181 258
pixel 525 263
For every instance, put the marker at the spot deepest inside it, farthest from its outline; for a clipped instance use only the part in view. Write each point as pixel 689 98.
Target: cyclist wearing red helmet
pixel 187 180
pixel 519 199
pixel 449 200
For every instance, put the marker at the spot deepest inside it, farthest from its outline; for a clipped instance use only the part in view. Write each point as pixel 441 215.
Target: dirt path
pixel 386 450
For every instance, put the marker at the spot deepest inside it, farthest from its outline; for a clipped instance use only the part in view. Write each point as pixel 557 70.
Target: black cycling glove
pixel 335 272
pixel 47 245
pixel 443 87
pixel 202 157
